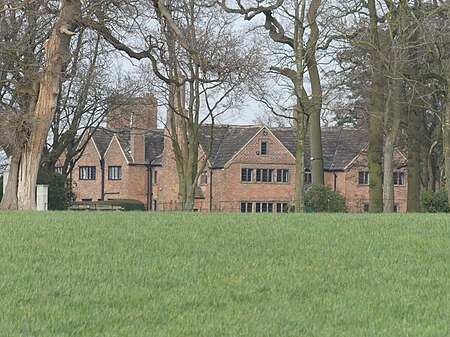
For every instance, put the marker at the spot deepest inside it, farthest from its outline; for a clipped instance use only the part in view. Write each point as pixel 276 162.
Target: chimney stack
pixel 137 112
pixel 138 115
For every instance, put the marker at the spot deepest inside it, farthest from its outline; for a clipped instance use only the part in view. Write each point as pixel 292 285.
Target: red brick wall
pixel 141 113
pixel 168 178
pixel 358 195
pixel 116 189
pixel 88 189
pixel 229 191
pixel 132 185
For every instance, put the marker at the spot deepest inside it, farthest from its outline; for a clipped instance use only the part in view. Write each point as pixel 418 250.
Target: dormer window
pixel 263 148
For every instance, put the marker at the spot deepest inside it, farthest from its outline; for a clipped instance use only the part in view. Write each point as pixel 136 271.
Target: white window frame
pixel 87 173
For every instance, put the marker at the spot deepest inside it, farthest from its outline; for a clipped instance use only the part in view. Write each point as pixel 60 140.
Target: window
pixel 246 207
pixel 263 148
pixel 204 178
pixel 363 178
pixel 114 172
pixel 366 208
pixel 155 177
pixel 264 207
pixel 264 175
pixel 87 173
pixel 59 169
pixel 307 177
pixel 282 207
pixel 399 179
pixel 396 208
pixel 282 176
pixel 246 174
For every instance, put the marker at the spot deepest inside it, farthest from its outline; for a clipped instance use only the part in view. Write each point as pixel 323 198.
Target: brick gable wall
pixel 88 189
pixel 228 189
pixel 116 189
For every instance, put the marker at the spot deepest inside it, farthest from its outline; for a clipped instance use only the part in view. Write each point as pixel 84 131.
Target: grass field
pixel 155 274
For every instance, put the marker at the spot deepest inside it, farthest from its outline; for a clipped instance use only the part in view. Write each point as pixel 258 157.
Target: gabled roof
pixel 102 137
pixel 154 142
pixel 228 140
pixel 340 145
pixel 124 141
pixel 154 146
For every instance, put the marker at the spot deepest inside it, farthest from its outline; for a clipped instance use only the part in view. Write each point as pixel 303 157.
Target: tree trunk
pixel 9 200
pixel 300 116
pixel 392 120
pixel 446 140
pixel 388 165
pixel 376 117
pixel 413 168
pixel 315 136
pixel 315 104
pixel 300 166
pixel 57 49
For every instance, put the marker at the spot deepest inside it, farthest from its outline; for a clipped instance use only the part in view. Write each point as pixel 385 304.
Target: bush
pixel 434 202
pixel 127 204
pixel 320 198
pixel 59 192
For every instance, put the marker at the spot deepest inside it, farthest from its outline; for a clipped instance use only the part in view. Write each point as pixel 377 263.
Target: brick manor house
pixel 250 168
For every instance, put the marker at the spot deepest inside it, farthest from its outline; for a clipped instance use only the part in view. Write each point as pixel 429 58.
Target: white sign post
pixel 42 197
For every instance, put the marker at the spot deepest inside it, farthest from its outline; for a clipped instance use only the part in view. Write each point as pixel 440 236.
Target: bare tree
pixel 435 36
pixel 200 61
pixel 41 81
pixel 89 92
pixel 293 26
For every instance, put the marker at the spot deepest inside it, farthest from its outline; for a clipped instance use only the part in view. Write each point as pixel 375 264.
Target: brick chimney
pixel 169 182
pixel 138 112
pixel 138 115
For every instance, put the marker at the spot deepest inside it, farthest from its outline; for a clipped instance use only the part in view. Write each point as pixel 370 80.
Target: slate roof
pixel 228 140
pixel 154 142
pixel 124 140
pixel 154 146
pixel 102 138
pixel 340 145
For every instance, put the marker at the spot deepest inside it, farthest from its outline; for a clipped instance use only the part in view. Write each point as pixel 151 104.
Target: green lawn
pixel 155 274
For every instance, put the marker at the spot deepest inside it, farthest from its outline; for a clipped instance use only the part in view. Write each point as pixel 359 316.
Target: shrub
pixel 320 198
pixel 60 195
pixel 127 204
pixel 434 202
